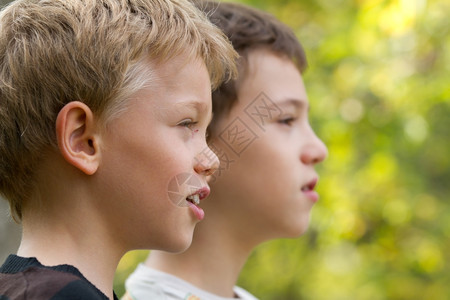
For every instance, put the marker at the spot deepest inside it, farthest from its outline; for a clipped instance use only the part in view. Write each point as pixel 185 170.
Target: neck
pixel 212 263
pixel 73 240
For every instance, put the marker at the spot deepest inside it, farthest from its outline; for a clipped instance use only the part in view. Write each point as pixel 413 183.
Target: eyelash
pixel 287 121
pixel 188 123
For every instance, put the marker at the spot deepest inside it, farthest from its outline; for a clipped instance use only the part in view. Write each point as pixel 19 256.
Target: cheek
pixel 269 158
pixel 137 167
pixel 267 167
pixel 275 172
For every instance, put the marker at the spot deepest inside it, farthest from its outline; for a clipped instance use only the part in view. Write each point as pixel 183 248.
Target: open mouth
pixel 194 199
pixel 308 190
pixel 310 186
pixel 198 195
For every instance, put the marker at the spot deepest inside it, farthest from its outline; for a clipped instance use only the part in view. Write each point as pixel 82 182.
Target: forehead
pixel 176 85
pixel 274 75
pixel 181 77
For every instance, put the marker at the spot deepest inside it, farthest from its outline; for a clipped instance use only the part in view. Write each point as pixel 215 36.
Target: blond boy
pixel 102 103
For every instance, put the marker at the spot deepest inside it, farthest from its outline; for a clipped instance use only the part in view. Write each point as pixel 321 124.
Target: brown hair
pixel 56 51
pixel 248 29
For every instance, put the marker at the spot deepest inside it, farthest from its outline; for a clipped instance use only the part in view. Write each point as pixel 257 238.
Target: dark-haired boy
pixel 265 187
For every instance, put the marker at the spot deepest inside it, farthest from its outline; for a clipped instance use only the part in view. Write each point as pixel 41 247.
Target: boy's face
pixel 158 141
pixel 271 150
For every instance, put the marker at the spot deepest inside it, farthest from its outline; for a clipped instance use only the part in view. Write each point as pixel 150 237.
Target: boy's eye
pixel 188 123
pixel 287 121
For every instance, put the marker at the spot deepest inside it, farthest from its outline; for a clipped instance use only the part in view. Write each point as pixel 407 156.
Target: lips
pixel 194 199
pixel 198 195
pixel 308 190
pixel 310 185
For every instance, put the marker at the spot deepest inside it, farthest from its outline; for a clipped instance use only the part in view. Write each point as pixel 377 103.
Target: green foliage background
pixel 379 86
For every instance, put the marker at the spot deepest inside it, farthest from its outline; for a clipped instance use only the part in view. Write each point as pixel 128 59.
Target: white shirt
pixel 147 283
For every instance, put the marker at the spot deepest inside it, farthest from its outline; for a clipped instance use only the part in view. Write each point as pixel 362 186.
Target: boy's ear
pixel 77 137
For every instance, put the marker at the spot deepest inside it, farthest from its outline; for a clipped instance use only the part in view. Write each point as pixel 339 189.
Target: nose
pixel 206 162
pixel 314 151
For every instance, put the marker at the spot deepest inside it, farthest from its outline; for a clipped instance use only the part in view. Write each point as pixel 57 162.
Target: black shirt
pixel 26 278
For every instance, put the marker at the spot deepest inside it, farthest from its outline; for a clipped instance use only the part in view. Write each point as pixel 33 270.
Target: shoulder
pixel 78 290
pixel 243 294
pixel 147 283
pixel 26 278
pixel 37 283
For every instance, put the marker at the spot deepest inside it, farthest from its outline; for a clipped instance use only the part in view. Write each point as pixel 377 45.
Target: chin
pixel 296 229
pixel 300 232
pixel 179 243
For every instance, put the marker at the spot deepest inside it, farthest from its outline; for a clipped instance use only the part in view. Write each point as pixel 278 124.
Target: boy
pixel 102 104
pixel 265 187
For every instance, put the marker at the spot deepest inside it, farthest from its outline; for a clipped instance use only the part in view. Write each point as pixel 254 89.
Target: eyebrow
pixel 298 104
pixel 200 107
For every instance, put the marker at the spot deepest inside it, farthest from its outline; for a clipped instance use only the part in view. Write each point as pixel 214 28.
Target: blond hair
pixel 56 51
